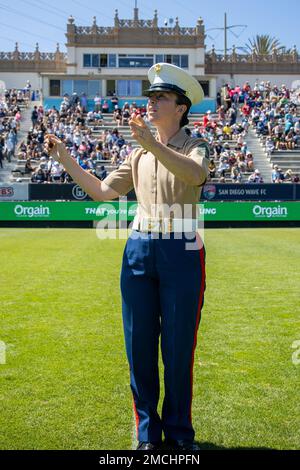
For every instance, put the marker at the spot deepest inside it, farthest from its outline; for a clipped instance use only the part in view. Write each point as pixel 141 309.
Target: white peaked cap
pixel 168 77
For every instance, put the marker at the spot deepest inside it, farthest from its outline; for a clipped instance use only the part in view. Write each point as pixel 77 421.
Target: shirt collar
pixel 179 139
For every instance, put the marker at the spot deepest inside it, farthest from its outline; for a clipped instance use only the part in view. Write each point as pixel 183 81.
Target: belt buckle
pixel 150 224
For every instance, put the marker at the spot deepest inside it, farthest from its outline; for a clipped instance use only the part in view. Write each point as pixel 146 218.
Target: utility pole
pixel 228 28
pixel 225 35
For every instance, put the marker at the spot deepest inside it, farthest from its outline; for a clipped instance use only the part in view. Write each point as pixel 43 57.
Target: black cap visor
pixel 165 87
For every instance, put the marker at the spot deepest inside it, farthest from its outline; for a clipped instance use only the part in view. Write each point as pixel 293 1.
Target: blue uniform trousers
pixel 162 285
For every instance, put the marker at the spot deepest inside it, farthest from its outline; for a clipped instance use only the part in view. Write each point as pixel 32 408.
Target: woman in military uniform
pixel 163 266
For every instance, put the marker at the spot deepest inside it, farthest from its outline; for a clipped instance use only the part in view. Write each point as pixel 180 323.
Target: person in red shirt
pixel 206 118
pixel 246 109
pixel 246 87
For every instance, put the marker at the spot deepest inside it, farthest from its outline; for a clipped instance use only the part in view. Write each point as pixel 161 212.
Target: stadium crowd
pixel 73 124
pixel 227 137
pixel 269 109
pixel 10 117
pixel 272 111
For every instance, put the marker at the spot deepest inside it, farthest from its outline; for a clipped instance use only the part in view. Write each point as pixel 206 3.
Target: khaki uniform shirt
pixel 159 191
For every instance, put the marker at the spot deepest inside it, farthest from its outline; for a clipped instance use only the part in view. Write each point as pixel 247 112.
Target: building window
pixel 95 60
pixel 184 61
pixel 159 58
pixel 67 87
pixel 133 60
pixel 87 60
pixel 112 60
pixel 129 87
pixel 103 60
pixel 145 85
pixel 94 86
pixel 175 59
pixel 205 87
pixel 136 60
pixel 111 87
pixel 80 86
pixel 99 60
pixel 54 87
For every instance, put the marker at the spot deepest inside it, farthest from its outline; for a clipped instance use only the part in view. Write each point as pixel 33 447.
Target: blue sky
pixel 31 21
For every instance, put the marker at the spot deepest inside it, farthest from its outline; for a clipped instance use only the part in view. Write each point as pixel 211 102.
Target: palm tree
pixel 263 44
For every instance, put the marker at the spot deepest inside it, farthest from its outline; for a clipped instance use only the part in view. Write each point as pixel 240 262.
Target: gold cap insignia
pixel 157 68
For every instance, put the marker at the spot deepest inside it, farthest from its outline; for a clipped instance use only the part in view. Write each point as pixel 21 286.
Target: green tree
pixel 263 44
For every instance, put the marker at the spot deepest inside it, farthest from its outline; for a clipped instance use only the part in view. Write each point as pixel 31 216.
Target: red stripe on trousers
pixel 137 420
pixel 201 296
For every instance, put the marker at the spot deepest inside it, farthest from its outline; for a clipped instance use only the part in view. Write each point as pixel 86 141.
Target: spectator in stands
pixel 56 173
pixel 270 147
pixel 34 117
pixel 38 176
pixel 288 175
pixel 281 175
pixel 125 113
pixel 1 152
pixel 227 131
pixel 236 176
pixel 117 115
pixel 249 161
pixel 105 107
pixel 223 166
pixel 275 174
pixel 255 177
pixel 289 138
pixel 84 103
pixel 97 103
pixel 9 146
pixel 221 113
pixel 28 89
pixel 102 173
pixel 212 168
pixel 226 97
pixel 231 115
pixel 206 118
pixel 114 101
pixel 28 167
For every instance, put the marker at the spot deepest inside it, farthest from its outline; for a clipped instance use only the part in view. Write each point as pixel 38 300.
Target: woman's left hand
pixel 141 132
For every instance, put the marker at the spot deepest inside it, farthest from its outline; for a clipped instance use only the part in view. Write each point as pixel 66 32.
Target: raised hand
pixel 54 146
pixel 141 132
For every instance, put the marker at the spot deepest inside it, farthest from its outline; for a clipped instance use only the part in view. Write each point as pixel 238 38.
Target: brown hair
pixel 183 100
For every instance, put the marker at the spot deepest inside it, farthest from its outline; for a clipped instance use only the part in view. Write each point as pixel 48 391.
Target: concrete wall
pixel 204 106
pixel 75 59
pixel 18 79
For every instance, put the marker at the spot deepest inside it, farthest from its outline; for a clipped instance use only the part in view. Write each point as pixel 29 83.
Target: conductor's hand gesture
pixel 54 147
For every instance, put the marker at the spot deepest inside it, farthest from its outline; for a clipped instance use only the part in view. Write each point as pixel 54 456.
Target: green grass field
pixel 65 384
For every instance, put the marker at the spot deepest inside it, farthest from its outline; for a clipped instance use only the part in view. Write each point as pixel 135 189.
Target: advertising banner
pixel 249 192
pixel 14 192
pixel 119 210
pixel 62 192
pixel 210 192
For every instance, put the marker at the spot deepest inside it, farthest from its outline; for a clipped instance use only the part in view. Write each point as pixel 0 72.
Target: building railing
pixel 275 62
pixel 36 61
pixel 148 30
